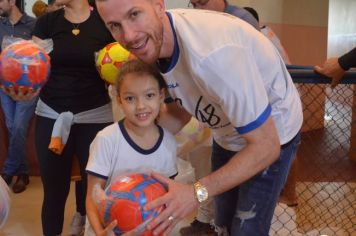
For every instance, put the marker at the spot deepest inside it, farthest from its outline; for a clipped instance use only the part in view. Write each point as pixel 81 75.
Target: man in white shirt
pixel 232 78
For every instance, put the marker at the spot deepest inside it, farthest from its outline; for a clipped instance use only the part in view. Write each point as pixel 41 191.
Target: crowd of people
pixel 254 113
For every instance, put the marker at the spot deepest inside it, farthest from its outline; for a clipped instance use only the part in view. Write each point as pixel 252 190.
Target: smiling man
pixel 230 77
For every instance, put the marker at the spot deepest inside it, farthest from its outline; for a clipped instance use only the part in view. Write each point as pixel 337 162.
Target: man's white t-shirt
pixel 230 77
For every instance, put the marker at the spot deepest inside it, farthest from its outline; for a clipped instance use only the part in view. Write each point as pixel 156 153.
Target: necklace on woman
pixel 75 30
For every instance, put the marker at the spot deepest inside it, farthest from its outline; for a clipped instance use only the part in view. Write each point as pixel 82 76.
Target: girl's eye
pixel 129 99
pixel 151 95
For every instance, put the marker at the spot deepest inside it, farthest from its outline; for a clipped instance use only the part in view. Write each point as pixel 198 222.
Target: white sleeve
pixel 170 152
pixel 100 155
pixel 232 78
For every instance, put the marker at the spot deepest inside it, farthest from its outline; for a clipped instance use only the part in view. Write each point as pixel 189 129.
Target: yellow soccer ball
pixel 110 59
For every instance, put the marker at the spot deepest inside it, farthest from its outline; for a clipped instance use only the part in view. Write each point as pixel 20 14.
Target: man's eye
pixel 114 26
pixel 134 14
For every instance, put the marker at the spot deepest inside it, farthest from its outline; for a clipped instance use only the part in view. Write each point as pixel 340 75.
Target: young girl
pixel 134 143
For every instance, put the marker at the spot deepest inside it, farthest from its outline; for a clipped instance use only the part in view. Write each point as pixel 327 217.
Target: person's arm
pixel 98 169
pixel 348 60
pixel 331 68
pixel 335 68
pixel 262 149
pixel 173 117
pixel 92 209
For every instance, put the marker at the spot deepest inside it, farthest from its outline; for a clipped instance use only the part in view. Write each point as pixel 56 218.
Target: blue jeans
pixel 247 210
pixel 17 118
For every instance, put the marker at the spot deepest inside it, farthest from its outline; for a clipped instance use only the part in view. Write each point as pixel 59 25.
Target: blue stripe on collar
pixel 172 61
pixel 137 147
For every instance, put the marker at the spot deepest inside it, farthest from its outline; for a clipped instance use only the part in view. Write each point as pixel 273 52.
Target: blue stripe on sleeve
pixel 257 123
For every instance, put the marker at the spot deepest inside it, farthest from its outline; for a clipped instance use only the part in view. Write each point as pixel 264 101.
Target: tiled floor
pixel 25 215
pixel 25 220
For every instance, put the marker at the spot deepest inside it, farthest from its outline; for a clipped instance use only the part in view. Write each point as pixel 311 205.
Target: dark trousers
pixel 55 170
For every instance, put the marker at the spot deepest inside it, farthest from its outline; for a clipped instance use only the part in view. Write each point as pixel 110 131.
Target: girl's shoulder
pixel 168 137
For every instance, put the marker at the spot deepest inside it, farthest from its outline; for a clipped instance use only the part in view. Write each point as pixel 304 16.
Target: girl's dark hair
pixel 137 67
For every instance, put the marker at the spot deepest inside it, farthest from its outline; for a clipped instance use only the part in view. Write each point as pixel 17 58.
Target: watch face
pixel 202 194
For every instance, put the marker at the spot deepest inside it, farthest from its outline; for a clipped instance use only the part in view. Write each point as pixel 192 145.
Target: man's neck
pixel 223 6
pixel 168 39
pixel 15 15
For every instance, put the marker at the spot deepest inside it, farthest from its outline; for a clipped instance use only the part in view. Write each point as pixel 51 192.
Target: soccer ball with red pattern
pixel 24 64
pixel 110 59
pixel 126 198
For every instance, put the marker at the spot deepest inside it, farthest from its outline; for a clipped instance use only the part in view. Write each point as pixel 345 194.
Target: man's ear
pixel 159 7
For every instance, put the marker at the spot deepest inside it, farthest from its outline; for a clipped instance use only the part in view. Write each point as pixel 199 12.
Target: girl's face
pixel 140 99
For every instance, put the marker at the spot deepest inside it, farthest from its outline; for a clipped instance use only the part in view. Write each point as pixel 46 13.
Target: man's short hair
pixel 253 12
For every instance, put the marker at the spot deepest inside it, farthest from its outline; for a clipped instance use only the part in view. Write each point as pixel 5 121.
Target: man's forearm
pixel 254 158
pixel 173 118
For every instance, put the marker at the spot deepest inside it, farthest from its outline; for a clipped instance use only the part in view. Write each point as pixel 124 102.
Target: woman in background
pixel 74 87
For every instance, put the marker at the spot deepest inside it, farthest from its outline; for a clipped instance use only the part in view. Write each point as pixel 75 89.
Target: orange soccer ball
pixel 24 64
pixel 126 198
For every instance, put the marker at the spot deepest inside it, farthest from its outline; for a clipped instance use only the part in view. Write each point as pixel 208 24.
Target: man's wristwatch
pixel 201 192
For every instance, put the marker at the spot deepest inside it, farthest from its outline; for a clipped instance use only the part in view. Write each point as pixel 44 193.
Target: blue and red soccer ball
pixel 24 64
pixel 126 198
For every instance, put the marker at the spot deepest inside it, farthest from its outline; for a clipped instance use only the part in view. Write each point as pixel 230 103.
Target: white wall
pixel 28 7
pixel 176 4
pixel 342 27
pixel 296 12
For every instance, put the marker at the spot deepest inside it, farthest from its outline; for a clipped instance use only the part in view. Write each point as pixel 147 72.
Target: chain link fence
pixel 321 189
